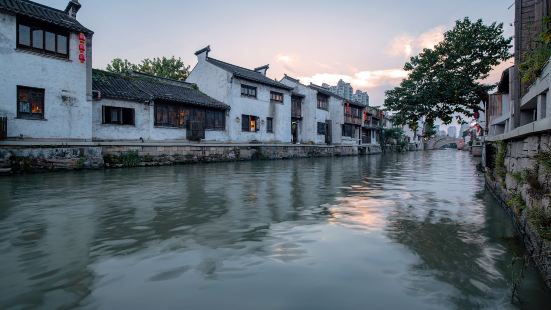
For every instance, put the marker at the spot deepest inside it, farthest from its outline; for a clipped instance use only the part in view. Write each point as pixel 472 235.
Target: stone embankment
pixel 519 174
pixel 35 158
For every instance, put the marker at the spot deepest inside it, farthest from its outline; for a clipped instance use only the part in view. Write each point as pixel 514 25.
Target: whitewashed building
pixel 331 106
pixel 314 120
pixel 46 68
pixel 137 106
pixel 260 107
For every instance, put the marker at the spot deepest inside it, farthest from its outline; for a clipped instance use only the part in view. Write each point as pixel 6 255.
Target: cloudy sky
pixel 365 42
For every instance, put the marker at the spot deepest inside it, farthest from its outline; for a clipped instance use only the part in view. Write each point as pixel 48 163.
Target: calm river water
pixel 400 231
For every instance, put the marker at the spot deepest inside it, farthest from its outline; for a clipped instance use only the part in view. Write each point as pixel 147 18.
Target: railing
pixel 371 124
pixel 350 119
pixel 3 127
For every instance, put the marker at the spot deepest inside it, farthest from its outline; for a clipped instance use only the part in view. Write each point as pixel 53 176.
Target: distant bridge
pixel 439 142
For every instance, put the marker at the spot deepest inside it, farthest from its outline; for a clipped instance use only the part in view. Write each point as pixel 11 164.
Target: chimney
pixel 203 53
pixel 72 8
pixel 262 69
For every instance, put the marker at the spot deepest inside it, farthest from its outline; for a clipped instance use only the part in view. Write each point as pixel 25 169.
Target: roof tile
pixel 247 74
pixel 43 13
pixel 143 88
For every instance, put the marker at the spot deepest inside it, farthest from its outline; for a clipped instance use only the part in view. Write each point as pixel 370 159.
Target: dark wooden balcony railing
pixel 350 119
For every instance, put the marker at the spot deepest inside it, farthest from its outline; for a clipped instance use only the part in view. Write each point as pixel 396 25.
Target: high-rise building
pixel 361 97
pixel 346 91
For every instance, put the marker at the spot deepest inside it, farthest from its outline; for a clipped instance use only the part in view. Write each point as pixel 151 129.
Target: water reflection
pixel 405 230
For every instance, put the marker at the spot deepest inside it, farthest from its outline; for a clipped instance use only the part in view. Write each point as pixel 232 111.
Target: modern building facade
pixel 346 91
pixel 361 97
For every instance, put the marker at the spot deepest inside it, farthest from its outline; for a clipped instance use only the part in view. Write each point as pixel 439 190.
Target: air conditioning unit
pixel 195 131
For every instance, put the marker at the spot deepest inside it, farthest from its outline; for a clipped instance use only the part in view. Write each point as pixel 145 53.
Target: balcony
pixel 354 120
pixel 372 124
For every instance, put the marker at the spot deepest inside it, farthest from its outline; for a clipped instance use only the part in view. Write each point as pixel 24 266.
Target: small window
pixel 118 116
pixel 49 41
pixel 171 115
pixel 269 124
pixel 38 39
pixel 62 44
pixel 348 131
pixel 42 37
pixel 249 123
pixel 30 102
pixel 215 120
pixel 322 128
pixel 248 91
pixel 24 35
pixel 323 102
pixel 276 97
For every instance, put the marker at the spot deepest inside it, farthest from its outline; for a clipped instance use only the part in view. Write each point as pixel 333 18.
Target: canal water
pixel 399 231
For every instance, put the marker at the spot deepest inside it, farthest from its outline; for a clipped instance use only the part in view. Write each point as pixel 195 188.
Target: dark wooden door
pixel 328 131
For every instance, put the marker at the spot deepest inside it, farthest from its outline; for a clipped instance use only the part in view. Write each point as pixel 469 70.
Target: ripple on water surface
pixel 413 231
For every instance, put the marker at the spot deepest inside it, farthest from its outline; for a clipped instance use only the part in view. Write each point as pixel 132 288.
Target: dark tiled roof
pixel 143 88
pixel 43 13
pixel 324 91
pixel 247 74
pixel 118 86
pixel 292 79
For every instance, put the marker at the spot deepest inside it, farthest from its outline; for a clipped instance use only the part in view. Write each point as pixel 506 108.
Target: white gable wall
pixel 222 86
pixel 67 113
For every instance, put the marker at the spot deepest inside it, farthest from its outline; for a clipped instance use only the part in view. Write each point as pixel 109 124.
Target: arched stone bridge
pixel 439 142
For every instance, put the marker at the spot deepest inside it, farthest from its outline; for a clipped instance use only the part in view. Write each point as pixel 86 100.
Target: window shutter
pixel 244 122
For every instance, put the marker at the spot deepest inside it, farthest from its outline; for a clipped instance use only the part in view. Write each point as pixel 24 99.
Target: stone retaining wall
pixel 538 248
pixel 27 159
pixel 121 156
pixel 521 180
pixel 37 159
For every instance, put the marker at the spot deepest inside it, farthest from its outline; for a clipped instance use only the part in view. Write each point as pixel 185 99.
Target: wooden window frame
pixel 181 115
pixel 35 25
pixel 217 121
pixel 248 123
pixel 270 124
pixel 106 118
pixel 323 131
pixel 248 89
pixel 30 115
pixel 323 104
pixel 276 97
pixel 351 128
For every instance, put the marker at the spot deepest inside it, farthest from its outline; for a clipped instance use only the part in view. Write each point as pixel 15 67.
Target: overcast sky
pixel 365 42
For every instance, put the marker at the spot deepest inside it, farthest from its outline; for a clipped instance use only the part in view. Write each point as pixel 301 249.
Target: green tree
pixel 172 68
pixel 447 80
pixel 119 65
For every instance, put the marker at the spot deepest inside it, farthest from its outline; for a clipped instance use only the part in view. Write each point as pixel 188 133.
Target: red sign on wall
pixel 82 48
